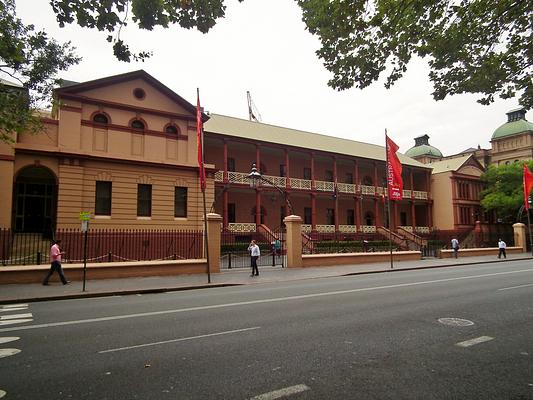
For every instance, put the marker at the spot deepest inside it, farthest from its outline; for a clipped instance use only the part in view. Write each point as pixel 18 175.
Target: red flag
pixel 394 171
pixel 199 134
pixel 528 184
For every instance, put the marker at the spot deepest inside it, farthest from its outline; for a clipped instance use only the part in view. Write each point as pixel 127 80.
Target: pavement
pixel 111 287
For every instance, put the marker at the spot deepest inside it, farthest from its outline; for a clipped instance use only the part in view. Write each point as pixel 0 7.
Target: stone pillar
pixel 213 234
pixel 293 243
pixel 520 236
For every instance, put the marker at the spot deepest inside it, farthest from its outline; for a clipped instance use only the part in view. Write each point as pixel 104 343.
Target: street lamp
pixel 255 178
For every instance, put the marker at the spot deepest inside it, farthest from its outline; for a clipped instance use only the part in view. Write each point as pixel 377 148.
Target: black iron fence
pixel 234 249
pixel 103 245
pixel 338 242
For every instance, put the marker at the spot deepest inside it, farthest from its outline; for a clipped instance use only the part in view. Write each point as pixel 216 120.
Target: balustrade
pixel 241 227
pixel 348 228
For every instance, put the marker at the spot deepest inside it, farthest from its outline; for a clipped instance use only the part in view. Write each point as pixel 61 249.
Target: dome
pixel 512 128
pixel 423 150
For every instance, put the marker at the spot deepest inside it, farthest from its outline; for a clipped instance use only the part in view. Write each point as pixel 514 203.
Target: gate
pixel 234 250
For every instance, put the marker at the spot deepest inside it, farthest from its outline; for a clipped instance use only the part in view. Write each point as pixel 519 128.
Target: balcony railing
pixel 241 227
pixel 321 186
pixel 348 228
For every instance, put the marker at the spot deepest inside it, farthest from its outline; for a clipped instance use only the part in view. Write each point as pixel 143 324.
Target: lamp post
pixel 255 178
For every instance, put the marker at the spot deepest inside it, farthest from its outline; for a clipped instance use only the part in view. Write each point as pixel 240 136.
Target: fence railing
pixel 103 245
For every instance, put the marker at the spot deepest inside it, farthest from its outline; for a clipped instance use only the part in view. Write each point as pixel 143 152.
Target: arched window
pixel 100 118
pixel 171 130
pixel 137 124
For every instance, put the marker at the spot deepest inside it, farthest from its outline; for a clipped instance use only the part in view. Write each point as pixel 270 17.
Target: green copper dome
pixel 423 150
pixel 516 123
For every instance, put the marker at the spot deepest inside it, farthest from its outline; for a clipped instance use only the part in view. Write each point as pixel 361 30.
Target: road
pixel 449 333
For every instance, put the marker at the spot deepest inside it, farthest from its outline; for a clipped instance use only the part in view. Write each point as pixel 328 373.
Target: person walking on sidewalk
pixel 501 248
pixel 254 253
pixel 55 259
pixel 455 247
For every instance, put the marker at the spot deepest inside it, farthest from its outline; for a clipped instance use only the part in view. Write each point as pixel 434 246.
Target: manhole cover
pixel 455 322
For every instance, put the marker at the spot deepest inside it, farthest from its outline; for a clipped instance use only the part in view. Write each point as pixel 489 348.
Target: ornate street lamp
pixel 255 178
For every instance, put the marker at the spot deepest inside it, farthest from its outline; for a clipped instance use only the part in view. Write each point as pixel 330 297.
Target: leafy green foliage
pixel 505 192
pixel 112 15
pixel 29 59
pixel 473 46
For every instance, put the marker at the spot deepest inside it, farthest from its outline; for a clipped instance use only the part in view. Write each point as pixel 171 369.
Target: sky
pixel 263 47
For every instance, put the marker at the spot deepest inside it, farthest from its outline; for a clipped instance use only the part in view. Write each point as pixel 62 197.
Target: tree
pixel 31 60
pixel 472 46
pixel 112 15
pixel 505 193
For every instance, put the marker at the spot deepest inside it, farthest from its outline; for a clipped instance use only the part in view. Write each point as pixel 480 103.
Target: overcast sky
pixel 262 46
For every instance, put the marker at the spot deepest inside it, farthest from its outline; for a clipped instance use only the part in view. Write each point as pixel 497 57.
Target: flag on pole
pixel 199 134
pixel 394 171
pixel 528 184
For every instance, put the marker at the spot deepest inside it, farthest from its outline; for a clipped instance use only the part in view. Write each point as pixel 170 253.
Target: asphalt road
pixel 451 333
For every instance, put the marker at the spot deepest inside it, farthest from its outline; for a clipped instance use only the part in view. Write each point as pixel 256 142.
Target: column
pixel 287 170
pixel 413 216
pixel 225 161
pixel 257 207
pixel 411 178
pixel 225 209
pixel 293 242
pixel 312 171
pixel 213 233
pixel 335 194
pixel 313 212
pixel 377 220
pixel 376 183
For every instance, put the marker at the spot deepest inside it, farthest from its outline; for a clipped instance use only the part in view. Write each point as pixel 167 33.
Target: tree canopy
pixel 30 60
pixel 505 193
pixel 472 46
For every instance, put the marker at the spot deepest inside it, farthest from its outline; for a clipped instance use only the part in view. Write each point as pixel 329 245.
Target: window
pixel 307 173
pixel 231 213
pixel 180 202
pixel 100 119
pixel 348 178
pixel 350 217
pixel 328 175
pixel 139 93
pixel 282 170
pixel 330 216
pixel 307 216
pixel 144 200
pixel 403 218
pixel 231 164
pixel 102 198
pixel 137 124
pixel 171 130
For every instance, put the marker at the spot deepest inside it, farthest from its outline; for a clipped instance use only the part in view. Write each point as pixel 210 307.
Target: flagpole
pixel 529 229
pixel 388 197
pixel 203 182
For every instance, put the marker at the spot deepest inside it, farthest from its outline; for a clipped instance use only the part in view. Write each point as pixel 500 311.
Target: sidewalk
pixel 109 287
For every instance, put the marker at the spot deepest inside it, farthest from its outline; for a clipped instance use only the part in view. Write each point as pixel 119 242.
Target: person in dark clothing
pixel 55 259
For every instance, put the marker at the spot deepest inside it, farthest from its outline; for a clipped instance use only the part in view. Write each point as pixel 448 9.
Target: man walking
pixel 55 259
pixel 501 248
pixel 254 253
pixel 455 247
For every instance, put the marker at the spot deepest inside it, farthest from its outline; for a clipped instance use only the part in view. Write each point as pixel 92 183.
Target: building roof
pixel 449 165
pixel 261 132
pixel 512 128
pixel 9 83
pixel 423 150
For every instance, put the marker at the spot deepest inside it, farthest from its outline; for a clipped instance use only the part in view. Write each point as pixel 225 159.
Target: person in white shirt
pixel 253 248
pixel 501 247
pixel 455 247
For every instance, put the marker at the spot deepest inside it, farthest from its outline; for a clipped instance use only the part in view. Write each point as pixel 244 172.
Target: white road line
pixel 8 352
pixel 2 393
pixel 15 316
pixel 251 302
pixel 472 342
pixel 8 339
pixel 515 287
pixel 179 340
pixel 13 305
pixel 13 322
pixel 278 394
pixel 13 309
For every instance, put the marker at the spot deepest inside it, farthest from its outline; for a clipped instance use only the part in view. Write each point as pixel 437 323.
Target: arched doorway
pixel 35 200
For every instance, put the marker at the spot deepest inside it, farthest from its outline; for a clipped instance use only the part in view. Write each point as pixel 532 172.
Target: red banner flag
pixel 394 171
pixel 528 184
pixel 199 134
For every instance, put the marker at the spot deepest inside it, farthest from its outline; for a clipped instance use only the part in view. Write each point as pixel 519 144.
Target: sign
pixel 85 216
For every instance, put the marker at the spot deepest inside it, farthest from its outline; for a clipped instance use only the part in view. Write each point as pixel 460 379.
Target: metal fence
pixel 337 242
pixel 234 253
pixel 103 245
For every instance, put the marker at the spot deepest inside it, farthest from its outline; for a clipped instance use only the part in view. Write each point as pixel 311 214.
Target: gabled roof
pixel 260 132
pixel 454 164
pixel 75 88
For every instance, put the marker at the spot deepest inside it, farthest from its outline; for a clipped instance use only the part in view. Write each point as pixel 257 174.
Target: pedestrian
pixel 253 248
pixel 455 247
pixel 501 248
pixel 55 260
pixel 277 247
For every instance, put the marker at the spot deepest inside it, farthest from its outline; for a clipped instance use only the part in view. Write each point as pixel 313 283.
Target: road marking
pixel 8 352
pixel 13 322
pixel 13 309
pixel 278 394
pixel 8 339
pixel 252 302
pixel 179 340
pixel 13 305
pixel 515 287
pixel 2 393
pixel 15 316
pixel 472 342
pixel 455 321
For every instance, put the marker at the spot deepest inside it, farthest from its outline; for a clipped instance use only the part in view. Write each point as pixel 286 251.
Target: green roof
pixel 423 150
pixel 512 128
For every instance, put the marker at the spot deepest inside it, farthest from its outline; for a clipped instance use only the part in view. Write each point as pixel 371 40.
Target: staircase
pixel 398 240
pixel 415 242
